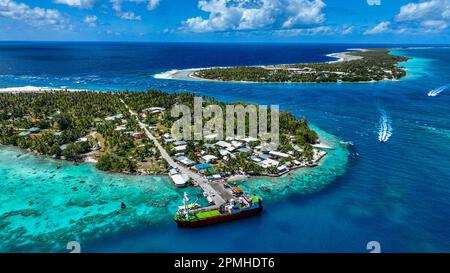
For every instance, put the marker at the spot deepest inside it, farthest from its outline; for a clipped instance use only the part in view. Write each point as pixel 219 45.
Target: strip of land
pixel 356 65
pixel 129 132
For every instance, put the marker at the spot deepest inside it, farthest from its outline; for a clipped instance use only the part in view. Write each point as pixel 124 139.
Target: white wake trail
pixel 437 91
pixel 385 127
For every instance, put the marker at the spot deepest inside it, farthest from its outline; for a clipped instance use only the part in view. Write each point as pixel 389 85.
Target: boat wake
pixel 385 129
pixel 437 91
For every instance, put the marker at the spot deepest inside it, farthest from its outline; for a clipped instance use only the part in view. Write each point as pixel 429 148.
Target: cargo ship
pixel 243 207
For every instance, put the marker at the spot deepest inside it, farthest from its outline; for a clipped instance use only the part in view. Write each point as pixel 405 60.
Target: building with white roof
pixel 180 148
pixel 211 137
pixel 279 154
pixel 209 158
pixel 223 144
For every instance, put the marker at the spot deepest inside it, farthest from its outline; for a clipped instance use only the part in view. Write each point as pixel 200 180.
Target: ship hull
pixel 220 219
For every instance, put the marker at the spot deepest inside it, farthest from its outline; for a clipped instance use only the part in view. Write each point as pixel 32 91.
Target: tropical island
pixel 126 132
pixel 358 65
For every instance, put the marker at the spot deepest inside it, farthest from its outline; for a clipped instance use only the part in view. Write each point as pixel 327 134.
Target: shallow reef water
pixel 47 203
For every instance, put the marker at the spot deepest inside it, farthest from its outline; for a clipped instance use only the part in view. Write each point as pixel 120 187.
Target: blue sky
pixel 384 21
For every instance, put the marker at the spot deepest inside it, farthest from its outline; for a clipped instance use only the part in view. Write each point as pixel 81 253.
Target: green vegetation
pixel 374 65
pixel 97 126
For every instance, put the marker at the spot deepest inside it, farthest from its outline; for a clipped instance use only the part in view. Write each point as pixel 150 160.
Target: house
pixel 112 118
pixel 63 147
pixel 249 139
pixel 179 143
pixel 208 146
pixel 169 140
pixel 264 156
pixel 138 135
pixel 180 148
pixel 224 152
pixel 279 154
pixel 211 137
pixel 231 149
pixel 120 128
pixel 244 150
pixel 255 159
pixel 34 130
pixel 186 161
pixel 82 139
pixel 269 163
pixel 24 134
pixel 154 110
pixel 209 158
pixel 237 144
pixel 223 144
pixel 297 148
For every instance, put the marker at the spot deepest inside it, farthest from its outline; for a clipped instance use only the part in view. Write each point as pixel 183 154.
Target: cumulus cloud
pixel 84 4
pixel 129 15
pixel 225 15
pixel 91 20
pixel 35 16
pixel 151 4
pixel 382 27
pixel 425 16
pixel 428 9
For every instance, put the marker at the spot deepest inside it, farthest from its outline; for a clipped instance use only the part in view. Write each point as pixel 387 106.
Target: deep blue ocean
pixel 396 189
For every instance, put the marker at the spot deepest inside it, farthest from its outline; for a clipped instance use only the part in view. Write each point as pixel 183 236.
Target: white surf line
pixel 385 127
pixel 166 75
pixel 437 91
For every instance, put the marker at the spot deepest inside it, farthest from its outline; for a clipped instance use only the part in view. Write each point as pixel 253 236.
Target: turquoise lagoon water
pixel 389 183
pixel 44 206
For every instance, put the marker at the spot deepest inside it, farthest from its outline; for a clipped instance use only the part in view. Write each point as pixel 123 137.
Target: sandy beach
pixel 31 89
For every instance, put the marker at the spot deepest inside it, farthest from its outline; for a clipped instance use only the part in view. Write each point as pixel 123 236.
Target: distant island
pixel 129 132
pixel 358 65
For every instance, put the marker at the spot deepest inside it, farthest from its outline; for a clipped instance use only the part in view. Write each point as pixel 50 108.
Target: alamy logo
pixel 208 123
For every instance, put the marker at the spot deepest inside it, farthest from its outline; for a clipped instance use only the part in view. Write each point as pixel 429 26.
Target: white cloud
pixel 227 15
pixel 35 16
pixel 382 27
pixel 84 4
pixel 425 16
pixel 424 10
pixel 435 24
pixel 117 6
pixel 152 4
pixel 314 31
pixel 91 20
pixel 129 16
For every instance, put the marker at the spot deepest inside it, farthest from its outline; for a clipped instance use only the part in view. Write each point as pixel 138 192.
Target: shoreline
pixel 189 73
pixel 89 157
pixel 38 89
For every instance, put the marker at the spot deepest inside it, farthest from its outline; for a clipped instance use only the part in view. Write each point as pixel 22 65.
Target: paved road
pixel 198 179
